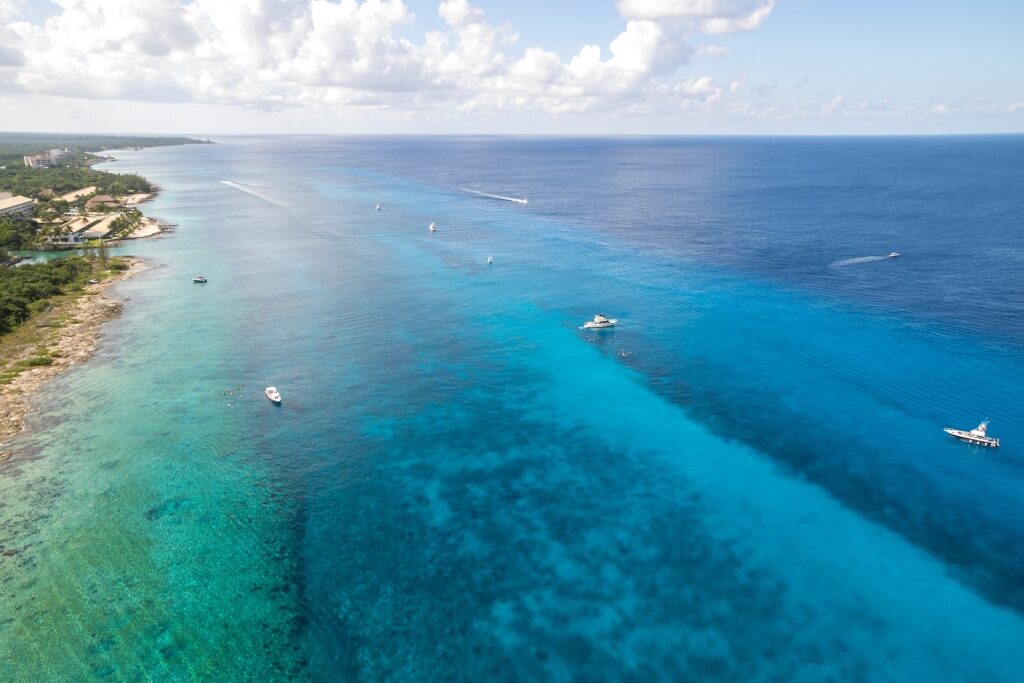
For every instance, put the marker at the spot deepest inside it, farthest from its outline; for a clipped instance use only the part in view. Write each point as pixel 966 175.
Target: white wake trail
pixel 517 200
pixel 254 193
pixel 853 261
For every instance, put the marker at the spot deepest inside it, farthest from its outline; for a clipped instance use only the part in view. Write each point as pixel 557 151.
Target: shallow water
pixel 747 479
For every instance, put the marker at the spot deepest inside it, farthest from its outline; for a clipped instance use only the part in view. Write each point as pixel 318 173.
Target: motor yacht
pixel 433 227
pixel 199 278
pixel 273 394
pixel 977 436
pixel 599 322
pixel 893 254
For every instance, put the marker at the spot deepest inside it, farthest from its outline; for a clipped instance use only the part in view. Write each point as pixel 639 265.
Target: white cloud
pixel 940 108
pixel 711 16
pixel 712 50
pixel 274 54
pixel 833 105
pixel 10 9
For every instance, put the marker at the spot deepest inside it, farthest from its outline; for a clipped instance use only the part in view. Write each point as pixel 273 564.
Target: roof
pixel 14 201
pixel 102 198
pixel 72 196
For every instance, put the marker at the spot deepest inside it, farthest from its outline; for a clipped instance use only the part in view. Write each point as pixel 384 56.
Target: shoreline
pixel 74 343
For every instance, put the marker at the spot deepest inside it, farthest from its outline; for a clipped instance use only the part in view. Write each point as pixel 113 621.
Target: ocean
pixel 746 479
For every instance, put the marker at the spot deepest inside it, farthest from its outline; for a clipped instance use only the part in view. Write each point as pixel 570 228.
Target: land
pixel 51 197
pixel 56 337
pixel 55 199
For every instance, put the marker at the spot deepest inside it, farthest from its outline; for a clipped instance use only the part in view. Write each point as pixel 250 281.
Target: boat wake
pixel 855 261
pixel 517 200
pixel 254 193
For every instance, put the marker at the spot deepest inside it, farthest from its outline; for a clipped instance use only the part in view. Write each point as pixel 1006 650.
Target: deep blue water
pixel 747 479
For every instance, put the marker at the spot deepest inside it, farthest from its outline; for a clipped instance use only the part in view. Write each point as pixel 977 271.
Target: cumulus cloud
pixel 282 53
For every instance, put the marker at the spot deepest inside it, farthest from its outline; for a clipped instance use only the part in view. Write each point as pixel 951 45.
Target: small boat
pixel 433 227
pixel 893 254
pixel 199 278
pixel 977 436
pixel 599 322
pixel 490 259
pixel 273 394
pixel 378 207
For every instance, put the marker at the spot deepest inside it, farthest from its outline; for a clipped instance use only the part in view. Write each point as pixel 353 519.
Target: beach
pixel 74 330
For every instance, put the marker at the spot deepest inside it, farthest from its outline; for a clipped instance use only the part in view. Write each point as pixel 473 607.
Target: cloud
pixel 712 50
pixel 710 16
pixel 10 9
pixel 833 105
pixel 10 57
pixel 275 54
pixel 940 108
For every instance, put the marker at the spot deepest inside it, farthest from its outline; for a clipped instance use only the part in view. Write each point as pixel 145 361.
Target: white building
pixel 38 161
pixel 16 205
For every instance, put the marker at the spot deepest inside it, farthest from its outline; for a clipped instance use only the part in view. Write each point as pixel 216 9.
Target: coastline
pixel 73 342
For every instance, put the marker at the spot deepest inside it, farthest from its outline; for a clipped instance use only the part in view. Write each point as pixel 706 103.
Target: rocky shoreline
pixel 72 342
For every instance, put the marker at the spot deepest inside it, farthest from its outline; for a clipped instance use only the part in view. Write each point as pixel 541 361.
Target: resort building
pixel 16 205
pixel 102 201
pixel 38 160
pixel 78 194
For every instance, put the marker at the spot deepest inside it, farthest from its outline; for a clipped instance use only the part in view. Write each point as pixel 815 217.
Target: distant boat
pixel 490 259
pixel 977 436
pixel 378 207
pixel 599 322
pixel 433 227
pixel 893 254
pixel 273 394
pixel 199 278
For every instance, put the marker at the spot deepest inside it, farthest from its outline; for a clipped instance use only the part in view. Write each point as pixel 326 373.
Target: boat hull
pixel 967 437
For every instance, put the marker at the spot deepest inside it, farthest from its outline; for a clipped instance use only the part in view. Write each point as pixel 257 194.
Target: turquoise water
pixel 747 479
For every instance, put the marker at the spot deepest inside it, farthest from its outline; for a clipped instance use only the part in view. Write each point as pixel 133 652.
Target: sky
pixel 688 67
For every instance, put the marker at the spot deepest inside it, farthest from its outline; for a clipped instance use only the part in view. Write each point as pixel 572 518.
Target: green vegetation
pixel 13 146
pixel 17 232
pixel 73 172
pixel 26 289
pixel 123 226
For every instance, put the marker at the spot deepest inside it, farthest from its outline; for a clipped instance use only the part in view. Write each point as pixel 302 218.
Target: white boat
pixel 977 436
pixel 893 254
pixel 199 278
pixel 433 227
pixel 599 322
pixel 378 207
pixel 273 394
pixel 490 259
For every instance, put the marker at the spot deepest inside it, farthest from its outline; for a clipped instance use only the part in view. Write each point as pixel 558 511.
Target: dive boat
pixel 433 227
pixel 199 278
pixel 273 394
pixel 977 436
pixel 893 254
pixel 599 322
